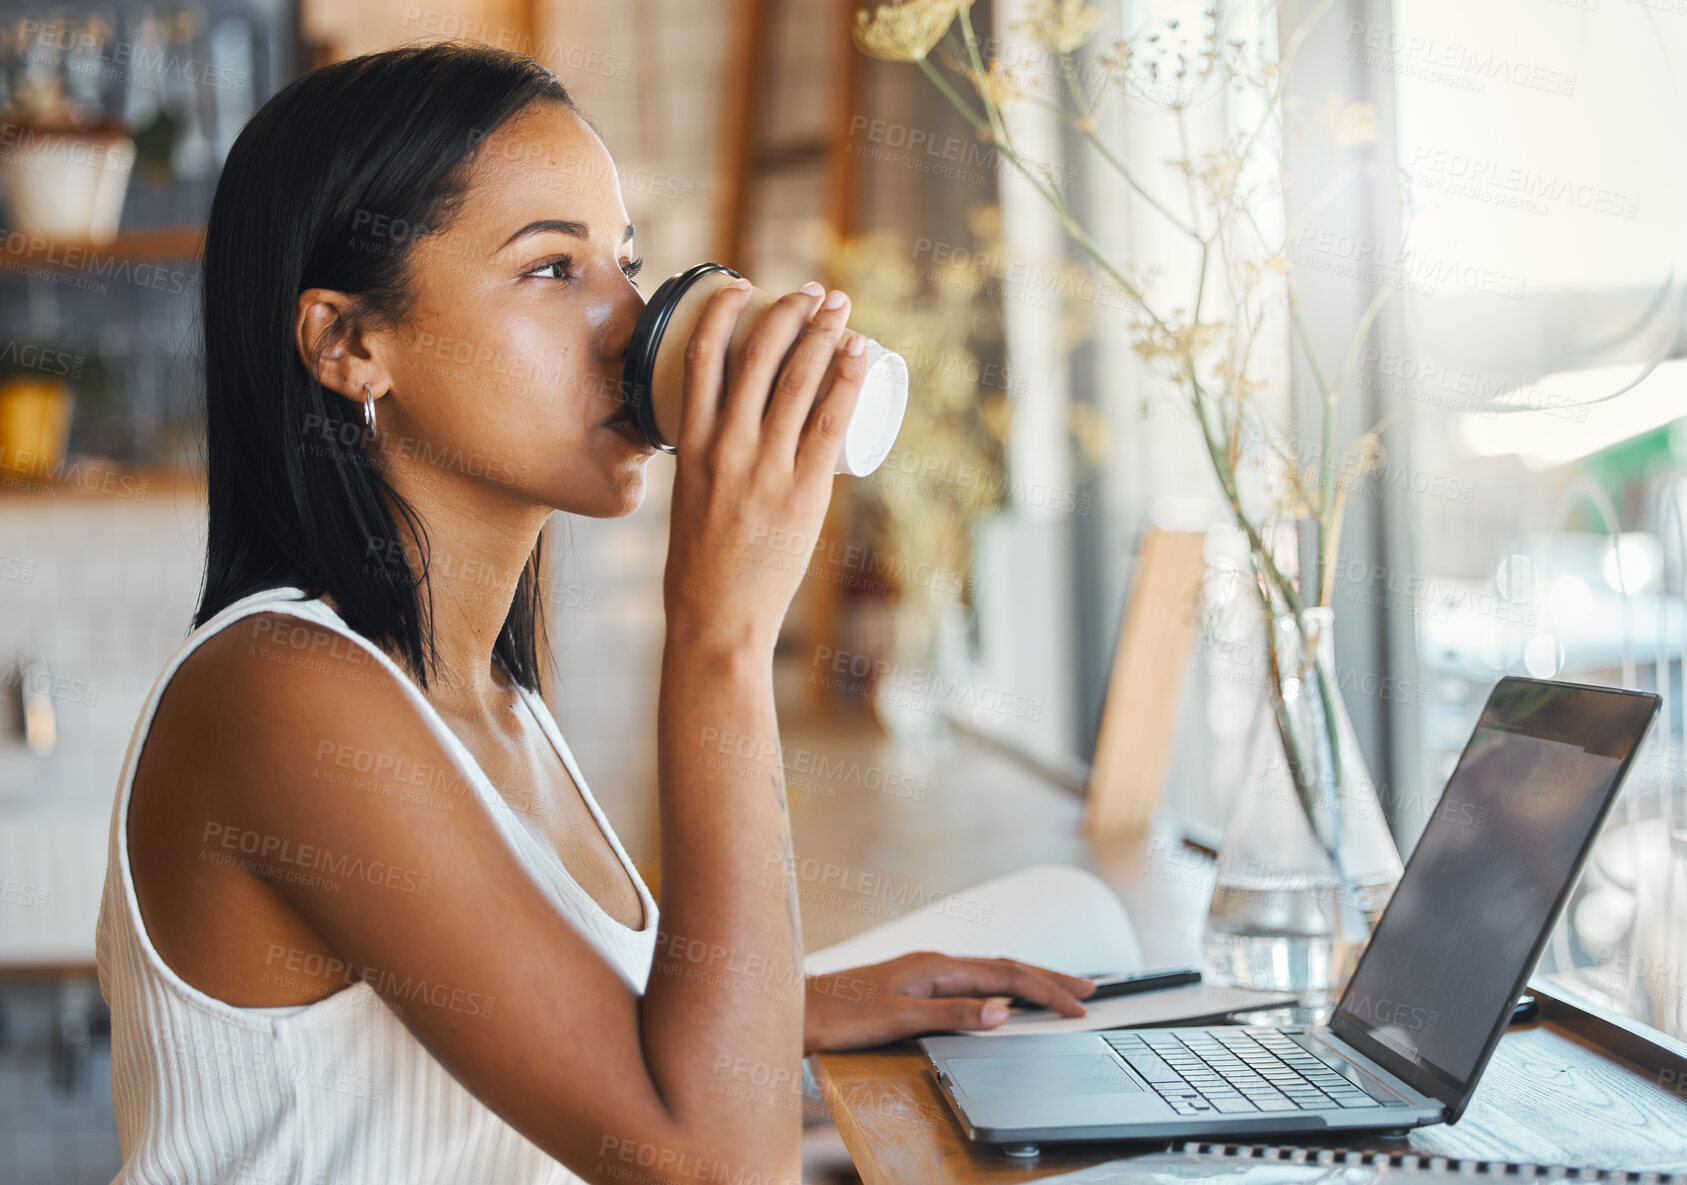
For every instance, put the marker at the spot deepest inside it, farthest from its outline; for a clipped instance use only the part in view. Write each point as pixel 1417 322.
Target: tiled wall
pixel 57 1123
pixel 100 590
pixel 657 96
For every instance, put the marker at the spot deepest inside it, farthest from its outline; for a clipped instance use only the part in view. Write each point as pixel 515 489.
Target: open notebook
pixel 1267 1164
pixel 1055 916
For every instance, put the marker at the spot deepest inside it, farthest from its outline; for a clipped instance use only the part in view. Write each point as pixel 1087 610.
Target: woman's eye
pixel 565 264
pixel 632 268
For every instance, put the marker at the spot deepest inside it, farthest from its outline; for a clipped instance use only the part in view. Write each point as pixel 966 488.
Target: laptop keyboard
pixel 1229 1072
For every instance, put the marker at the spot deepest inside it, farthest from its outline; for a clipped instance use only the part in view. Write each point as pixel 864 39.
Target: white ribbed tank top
pixel 333 1091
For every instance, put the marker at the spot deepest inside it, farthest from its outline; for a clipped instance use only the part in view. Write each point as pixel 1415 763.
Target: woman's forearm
pixel 722 1017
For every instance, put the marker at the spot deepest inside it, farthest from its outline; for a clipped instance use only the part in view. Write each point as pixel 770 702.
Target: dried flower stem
pixel 1222 412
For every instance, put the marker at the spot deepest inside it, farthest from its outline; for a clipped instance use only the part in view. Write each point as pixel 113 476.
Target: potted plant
pixel 64 162
pixel 40 387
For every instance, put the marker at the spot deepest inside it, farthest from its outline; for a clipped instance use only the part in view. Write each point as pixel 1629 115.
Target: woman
pixel 364 921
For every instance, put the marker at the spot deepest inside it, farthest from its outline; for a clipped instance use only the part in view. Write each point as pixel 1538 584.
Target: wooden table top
pixel 1547 1096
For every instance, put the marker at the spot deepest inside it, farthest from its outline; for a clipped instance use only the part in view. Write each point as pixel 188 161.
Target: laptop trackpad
pixel 1012 1077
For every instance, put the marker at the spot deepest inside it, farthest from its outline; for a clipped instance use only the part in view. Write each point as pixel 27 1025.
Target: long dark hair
pixel 330 185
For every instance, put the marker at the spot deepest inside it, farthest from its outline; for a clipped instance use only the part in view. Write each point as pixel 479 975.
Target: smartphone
pixel 1107 986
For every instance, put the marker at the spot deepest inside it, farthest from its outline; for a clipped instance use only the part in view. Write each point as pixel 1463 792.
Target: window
pixel 1535 366
pixel 1525 204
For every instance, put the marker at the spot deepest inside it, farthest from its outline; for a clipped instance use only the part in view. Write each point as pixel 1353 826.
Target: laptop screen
pixel 1439 978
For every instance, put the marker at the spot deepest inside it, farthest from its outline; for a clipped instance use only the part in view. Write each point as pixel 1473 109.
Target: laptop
pixel 1424 1009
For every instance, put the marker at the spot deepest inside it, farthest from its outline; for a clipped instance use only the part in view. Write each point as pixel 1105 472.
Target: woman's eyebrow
pixel 567 226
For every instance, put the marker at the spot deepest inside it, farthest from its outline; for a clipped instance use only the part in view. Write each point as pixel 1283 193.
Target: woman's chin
pixel 622 493
pixel 604 484
pixel 632 497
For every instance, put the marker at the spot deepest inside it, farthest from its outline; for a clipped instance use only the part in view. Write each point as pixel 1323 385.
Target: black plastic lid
pixel 647 339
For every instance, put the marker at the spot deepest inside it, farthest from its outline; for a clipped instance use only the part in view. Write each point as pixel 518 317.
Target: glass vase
pixel 1307 863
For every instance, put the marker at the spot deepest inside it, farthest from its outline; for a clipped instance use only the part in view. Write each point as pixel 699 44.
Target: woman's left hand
pixel 926 992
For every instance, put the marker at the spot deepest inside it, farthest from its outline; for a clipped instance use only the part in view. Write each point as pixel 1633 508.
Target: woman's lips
pixel 622 425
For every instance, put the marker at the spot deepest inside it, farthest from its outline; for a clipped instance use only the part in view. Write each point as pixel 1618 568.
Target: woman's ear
pixel 334 346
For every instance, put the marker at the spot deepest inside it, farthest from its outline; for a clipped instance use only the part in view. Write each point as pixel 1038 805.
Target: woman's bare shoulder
pixel 262 702
pixel 241 773
pixel 258 648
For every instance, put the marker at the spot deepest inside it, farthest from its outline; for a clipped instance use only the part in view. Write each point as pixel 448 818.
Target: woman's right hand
pixel 756 454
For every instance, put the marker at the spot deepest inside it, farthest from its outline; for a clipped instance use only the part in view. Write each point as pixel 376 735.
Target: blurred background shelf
pixel 151 243
pixel 95 478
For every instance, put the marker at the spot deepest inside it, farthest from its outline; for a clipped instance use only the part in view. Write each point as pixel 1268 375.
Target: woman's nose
pixel 618 334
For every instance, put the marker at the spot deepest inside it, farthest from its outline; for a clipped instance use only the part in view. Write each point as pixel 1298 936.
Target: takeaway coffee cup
pixel 654 375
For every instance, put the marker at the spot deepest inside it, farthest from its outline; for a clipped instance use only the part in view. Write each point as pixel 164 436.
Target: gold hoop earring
pixel 368 410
